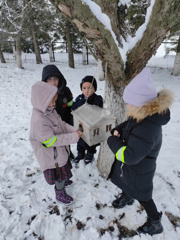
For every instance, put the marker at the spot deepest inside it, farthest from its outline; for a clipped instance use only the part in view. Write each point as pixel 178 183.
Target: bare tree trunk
pixel 18 51
pixel 14 50
pixel 32 25
pixel 35 41
pixel 36 46
pixel 70 48
pixel 2 56
pixel 114 104
pixel 51 56
pixel 84 55
pixel 176 68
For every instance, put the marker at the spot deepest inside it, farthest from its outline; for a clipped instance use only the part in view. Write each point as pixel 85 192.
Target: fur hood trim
pixel 160 105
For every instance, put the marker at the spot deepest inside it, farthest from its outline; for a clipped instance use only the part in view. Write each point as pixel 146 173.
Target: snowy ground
pixel 28 208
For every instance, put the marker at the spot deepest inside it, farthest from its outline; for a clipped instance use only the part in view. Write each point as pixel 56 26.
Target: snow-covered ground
pixel 28 209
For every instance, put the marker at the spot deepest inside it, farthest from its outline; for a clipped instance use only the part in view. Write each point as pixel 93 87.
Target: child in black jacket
pixel 136 144
pixel 52 75
pixel 88 86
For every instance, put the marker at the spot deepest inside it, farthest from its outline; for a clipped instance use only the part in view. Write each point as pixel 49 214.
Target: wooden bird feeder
pixel 94 123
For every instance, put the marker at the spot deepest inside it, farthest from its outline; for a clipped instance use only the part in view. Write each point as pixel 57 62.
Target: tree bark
pixel 176 68
pixel 35 41
pixel 70 48
pixel 90 49
pixel 2 56
pixel 116 107
pixel 18 51
pixel 106 49
pixel 14 49
pixel 110 47
pixel 51 56
pixel 84 61
pixel 163 18
pixel 36 45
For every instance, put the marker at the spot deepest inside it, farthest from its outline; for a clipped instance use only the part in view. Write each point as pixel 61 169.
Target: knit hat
pixel 90 79
pixel 140 90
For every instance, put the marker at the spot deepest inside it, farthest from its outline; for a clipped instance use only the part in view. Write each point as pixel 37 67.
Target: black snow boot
pixel 122 201
pixel 79 157
pixel 151 226
pixel 89 158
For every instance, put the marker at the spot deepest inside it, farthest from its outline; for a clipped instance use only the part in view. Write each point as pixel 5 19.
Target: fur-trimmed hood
pixel 160 106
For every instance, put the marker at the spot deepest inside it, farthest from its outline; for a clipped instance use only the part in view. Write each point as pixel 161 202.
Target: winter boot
pixel 89 158
pixel 79 157
pixel 122 201
pixel 68 182
pixel 63 197
pixel 151 226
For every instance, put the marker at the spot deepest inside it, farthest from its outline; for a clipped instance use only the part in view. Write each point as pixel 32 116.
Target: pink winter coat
pixel 45 124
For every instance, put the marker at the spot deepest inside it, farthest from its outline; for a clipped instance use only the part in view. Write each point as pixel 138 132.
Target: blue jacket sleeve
pixel 79 101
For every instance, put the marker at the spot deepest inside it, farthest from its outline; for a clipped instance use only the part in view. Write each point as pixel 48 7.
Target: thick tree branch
pixel 165 15
pixel 104 44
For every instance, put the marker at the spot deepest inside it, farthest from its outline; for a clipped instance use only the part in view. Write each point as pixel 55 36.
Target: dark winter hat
pixel 140 90
pixel 52 70
pixel 90 79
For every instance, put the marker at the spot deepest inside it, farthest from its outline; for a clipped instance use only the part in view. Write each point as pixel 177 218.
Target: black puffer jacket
pixel 142 136
pixel 94 99
pixel 63 103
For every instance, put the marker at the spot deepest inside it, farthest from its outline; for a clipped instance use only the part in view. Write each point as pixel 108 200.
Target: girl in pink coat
pixel 50 138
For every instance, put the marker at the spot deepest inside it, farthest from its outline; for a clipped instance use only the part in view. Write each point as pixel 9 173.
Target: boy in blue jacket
pixel 88 86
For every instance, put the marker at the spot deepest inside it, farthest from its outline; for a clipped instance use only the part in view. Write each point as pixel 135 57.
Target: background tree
pixel 12 17
pixel 2 56
pixel 2 35
pixel 174 45
pixel 18 50
pixel 69 44
pixel 176 68
pixel 38 24
pixel 2 38
pixel 109 25
pixel 67 32
pixel 175 36
pixel 31 21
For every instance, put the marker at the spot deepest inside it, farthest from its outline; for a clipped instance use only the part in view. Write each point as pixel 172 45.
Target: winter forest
pixel 113 41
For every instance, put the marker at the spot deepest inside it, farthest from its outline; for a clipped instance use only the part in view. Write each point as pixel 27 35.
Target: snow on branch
pixel 124 2
pixel 132 41
pixel 102 17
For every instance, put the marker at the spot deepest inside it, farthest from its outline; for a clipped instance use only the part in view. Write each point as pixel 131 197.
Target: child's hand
pixel 79 133
pixel 116 133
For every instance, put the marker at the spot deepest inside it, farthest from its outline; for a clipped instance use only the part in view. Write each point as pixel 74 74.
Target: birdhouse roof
pixel 91 115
